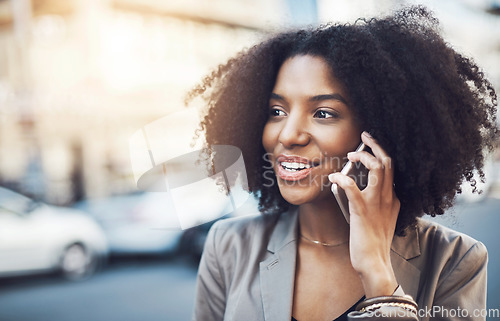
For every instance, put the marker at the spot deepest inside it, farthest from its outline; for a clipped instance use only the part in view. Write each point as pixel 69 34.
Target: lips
pixel 293 168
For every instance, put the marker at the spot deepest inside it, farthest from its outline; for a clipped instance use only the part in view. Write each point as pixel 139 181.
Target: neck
pixel 323 221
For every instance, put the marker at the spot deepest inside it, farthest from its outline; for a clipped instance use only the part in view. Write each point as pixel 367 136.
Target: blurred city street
pixel 127 290
pixel 90 88
pixel 163 288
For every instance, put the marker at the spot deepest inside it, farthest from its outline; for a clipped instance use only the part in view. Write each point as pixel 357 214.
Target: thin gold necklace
pixel 323 243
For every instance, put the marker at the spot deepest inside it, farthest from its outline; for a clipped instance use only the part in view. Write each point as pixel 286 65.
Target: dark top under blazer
pixel 247 270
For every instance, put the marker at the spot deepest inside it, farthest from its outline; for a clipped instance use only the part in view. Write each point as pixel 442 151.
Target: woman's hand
pixel 374 212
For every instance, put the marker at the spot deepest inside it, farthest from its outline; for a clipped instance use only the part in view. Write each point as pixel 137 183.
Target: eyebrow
pixel 316 98
pixel 329 97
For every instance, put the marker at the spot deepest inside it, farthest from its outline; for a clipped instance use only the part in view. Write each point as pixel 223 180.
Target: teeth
pixel 294 166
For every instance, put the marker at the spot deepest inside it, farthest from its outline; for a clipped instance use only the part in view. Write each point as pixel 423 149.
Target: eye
pixel 325 114
pixel 276 112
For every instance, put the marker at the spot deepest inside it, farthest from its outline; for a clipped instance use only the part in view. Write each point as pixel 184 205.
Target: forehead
pixel 309 75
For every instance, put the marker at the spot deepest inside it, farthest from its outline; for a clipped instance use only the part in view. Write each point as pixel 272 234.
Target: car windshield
pixel 16 203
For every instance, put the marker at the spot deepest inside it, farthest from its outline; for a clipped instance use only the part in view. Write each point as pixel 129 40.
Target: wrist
pixel 379 282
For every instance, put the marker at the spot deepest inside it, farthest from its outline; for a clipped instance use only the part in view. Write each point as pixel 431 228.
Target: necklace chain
pixel 322 243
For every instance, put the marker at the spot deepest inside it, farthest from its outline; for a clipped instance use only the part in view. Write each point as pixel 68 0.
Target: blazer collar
pixel 277 272
pixel 408 246
pixel 285 230
pixel 405 248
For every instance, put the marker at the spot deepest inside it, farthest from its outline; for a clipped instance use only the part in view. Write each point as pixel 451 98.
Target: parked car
pixel 135 223
pixel 36 237
pixel 153 222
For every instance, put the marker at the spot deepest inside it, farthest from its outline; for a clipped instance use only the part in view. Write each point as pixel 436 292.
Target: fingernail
pixel 330 177
pixel 367 134
pixel 349 154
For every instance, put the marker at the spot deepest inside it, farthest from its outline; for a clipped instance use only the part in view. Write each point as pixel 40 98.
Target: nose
pixel 294 132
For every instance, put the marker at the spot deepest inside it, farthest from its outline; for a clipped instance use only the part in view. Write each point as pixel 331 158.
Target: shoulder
pixel 453 267
pixel 249 233
pixel 255 222
pixel 437 263
pixel 454 257
pixel 447 240
pixel 429 238
pixel 245 226
pixel 235 246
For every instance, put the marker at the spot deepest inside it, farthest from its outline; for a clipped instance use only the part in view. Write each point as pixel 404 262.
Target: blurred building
pixel 79 77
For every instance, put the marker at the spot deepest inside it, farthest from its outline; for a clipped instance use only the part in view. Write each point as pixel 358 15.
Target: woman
pixel 296 105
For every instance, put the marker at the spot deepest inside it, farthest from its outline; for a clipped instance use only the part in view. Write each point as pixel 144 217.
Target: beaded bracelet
pixel 406 302
pixel 375 306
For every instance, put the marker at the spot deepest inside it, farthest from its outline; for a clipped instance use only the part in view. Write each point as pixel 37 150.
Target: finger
pixel 371 142
pixel 367 159
pixel 383 157
pixel 347 184
pixel 377 150
pixel 396 205
pixel 376 170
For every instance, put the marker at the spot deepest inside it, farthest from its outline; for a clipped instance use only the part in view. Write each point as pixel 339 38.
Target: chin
pixel 297 195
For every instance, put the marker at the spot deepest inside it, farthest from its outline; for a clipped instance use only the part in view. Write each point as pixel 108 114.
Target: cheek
pixel 269 137
pixel 338 143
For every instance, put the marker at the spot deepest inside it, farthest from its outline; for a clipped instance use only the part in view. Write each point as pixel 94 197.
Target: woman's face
pixel 310 129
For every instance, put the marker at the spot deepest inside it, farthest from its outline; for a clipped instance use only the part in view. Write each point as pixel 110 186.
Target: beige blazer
pixel 247 270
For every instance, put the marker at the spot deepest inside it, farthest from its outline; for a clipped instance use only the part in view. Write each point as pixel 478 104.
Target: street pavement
pixel 153 290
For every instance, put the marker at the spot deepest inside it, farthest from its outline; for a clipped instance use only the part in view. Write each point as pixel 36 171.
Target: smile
pixel 293 168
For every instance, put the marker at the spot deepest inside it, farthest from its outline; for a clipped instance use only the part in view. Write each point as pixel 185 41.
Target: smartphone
pixel 356 171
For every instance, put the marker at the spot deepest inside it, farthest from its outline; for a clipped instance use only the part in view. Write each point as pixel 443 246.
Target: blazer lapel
pixel 404 249
pixel 277 272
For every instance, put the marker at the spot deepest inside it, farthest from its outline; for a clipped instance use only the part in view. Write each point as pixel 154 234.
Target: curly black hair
pixel 429 107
